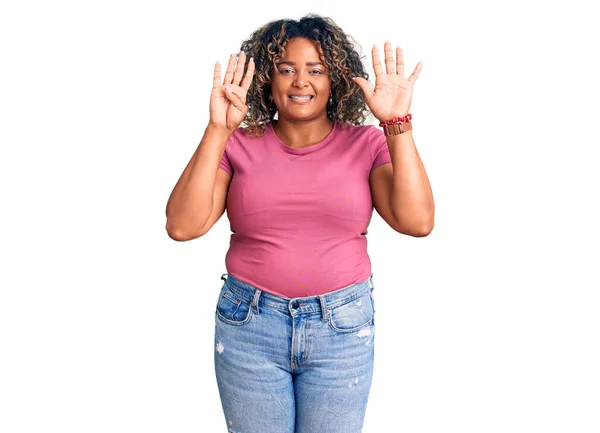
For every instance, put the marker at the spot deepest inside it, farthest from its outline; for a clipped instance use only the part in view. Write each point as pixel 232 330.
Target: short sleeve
pixel 379 147
pixel 225 163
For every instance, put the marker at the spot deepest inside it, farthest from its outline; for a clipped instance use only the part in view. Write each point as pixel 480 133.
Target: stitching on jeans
pixel 230 298
pixel 348 299
pixel 343 301
pixel 357 328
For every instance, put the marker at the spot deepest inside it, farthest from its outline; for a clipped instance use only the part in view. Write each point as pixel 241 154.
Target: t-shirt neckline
pixel 302 150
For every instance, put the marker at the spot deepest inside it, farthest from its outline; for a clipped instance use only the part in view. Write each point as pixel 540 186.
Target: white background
pixel 489 324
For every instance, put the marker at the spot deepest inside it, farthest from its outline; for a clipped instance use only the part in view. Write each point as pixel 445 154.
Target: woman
pixel 294 321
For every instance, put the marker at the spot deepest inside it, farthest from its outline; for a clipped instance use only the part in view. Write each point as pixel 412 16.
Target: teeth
pixel 304 98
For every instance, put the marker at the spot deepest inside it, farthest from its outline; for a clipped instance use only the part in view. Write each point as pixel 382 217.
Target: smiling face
pixel 301 73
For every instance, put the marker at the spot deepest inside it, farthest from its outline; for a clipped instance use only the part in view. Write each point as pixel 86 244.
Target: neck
pixel 298 134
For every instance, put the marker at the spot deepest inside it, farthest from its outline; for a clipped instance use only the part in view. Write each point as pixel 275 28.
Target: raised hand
pixel 228 101
pixel 392 95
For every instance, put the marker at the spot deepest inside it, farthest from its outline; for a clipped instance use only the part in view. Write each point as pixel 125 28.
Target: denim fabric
pixel 299 365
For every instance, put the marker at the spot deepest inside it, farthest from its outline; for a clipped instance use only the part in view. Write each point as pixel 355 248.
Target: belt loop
pixel 323 308
pixel 372 285
pixel 224 279
pixel 254 302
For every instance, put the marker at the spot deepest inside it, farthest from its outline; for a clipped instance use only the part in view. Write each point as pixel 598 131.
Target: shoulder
pixel 356 133
pixel 252 133
pixel 241 137
pixel 369 136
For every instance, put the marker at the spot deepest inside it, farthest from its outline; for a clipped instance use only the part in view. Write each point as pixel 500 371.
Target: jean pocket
pixel 353 315
pixel 233 309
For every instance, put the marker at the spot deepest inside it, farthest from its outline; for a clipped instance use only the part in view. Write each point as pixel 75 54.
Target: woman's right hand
pixel 228 108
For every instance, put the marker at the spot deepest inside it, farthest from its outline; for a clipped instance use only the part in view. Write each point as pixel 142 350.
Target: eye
pixel 315 71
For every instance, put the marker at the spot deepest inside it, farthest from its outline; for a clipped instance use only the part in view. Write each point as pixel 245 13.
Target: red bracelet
pixel 404 119
pixel 396 126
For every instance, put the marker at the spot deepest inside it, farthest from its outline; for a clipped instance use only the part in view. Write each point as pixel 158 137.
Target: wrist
pixel 397 125
pixel 218 130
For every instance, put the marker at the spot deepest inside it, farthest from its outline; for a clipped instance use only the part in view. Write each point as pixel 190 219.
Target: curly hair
pixel 267 46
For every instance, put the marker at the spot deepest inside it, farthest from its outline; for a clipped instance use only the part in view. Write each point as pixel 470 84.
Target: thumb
pixel 234 99
pixel 364 85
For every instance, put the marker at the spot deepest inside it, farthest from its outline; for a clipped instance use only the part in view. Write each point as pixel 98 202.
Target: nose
pixel 300 80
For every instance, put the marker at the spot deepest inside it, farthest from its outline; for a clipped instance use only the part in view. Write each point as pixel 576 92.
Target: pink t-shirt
pixel 299 217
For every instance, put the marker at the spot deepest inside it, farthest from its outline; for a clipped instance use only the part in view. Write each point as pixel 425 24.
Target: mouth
pixel 301 97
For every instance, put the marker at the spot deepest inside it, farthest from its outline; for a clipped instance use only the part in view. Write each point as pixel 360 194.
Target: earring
pixel 331 99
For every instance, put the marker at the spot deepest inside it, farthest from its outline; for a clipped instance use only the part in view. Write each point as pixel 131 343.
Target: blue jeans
pixel 299 365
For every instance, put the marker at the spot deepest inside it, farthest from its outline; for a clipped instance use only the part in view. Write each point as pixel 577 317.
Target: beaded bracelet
pixel 397 125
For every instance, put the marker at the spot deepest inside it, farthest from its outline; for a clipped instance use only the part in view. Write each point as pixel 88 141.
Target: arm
pixel 411 206
pixel 191 201
pixel 412 199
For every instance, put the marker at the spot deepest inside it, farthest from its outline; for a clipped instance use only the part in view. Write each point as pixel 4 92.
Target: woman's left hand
pixel 393 93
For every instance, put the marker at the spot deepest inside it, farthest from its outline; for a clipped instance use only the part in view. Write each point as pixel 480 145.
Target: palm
pixel 390 91
pixel 222 111
pixel 392 94
pixel 228 110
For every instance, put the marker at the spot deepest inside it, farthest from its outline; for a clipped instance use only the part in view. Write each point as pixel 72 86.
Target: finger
pixel 376 62
pixel 217 75
pixel 249 75
pixel 389 58
pixel 234 99
pixel 239 69
pixel 240 93
pixel 399 62
pixel 230 69
pixel 236 90
pixel 413 77
pixel 365 86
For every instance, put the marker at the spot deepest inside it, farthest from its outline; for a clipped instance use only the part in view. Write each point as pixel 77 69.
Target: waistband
pixel 299 305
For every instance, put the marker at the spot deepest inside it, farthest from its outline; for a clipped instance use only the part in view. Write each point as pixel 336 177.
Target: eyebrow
pixel 308 63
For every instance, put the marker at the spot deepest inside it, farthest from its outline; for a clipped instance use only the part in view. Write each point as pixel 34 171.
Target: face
pixel 301 72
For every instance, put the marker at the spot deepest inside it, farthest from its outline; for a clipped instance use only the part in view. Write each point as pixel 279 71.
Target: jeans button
pixel 295 304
